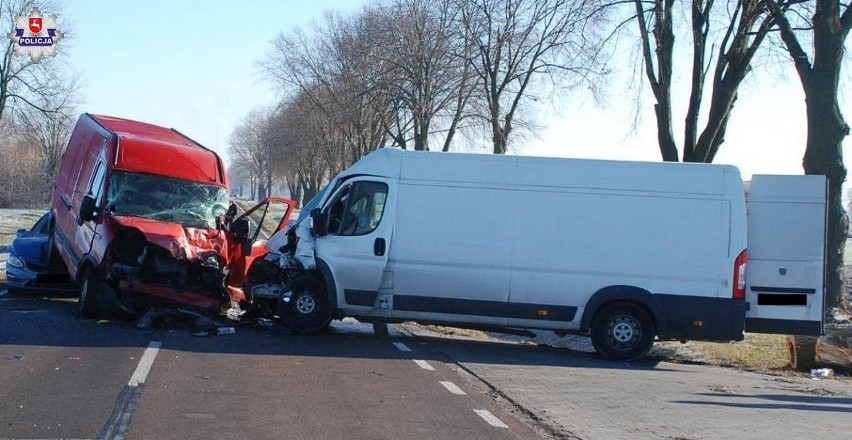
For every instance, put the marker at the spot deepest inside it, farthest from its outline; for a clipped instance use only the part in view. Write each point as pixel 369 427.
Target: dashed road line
pixel 401 346
pixel 145 364
pixel 118 424
pixel 453 388
pixel 490 418
pixel 424 365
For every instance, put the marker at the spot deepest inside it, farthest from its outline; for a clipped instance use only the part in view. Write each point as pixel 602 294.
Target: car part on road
pixel 622 332
pixel 307 310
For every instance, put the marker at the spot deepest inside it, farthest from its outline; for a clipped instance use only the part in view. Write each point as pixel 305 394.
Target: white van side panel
pixel 451 250
pixel 594 239
pixel 528 241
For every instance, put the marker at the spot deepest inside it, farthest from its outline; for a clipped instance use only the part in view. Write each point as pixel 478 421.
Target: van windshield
pixel 189 203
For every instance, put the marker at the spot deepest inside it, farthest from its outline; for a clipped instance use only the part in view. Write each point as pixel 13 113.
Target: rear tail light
pixel 739 275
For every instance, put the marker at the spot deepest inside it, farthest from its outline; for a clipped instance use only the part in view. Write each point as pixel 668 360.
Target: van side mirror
pixel 318 222
pixel 88 210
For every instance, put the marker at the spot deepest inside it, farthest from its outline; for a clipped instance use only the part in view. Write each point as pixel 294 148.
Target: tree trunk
pixel 665 136
pixel 826 130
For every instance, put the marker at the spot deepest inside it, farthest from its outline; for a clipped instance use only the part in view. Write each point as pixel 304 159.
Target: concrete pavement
pixel 582 395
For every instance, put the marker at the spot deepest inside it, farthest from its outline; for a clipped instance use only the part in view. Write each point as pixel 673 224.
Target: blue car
pixel 31 267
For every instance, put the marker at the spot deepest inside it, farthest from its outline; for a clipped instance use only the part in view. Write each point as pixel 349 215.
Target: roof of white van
pixel 498 169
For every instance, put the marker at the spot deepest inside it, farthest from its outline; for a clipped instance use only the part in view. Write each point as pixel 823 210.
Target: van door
pixel 88 229
pixel 785 273
pixel 263 220
pixel 358 233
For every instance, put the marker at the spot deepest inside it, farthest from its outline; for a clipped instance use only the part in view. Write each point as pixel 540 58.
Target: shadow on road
pixel 33 321
pixel 784 401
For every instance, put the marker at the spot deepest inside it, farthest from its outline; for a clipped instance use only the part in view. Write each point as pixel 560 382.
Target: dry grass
pixel 755 352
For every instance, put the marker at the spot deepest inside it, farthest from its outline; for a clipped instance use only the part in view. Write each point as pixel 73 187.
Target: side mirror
pixel 318 222
pixel 88 210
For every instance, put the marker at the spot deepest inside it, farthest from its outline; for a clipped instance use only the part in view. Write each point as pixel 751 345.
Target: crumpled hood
pixel 181 241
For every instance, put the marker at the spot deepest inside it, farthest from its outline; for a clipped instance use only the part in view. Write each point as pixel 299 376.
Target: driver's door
pixel 264 219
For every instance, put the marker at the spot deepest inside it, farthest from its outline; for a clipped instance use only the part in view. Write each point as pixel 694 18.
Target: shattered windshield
pixel 189 203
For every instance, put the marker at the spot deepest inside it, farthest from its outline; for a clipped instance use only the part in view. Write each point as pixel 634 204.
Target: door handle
pixel 379 247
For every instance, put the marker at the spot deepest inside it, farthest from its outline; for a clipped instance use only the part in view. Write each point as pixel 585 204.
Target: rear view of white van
pixel 627 251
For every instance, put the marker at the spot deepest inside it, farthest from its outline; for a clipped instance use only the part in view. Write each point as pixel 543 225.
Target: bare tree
pixel 334 69
pixel 303 134
pixel 825 24
pixel 24 83
pixel 427 74
pixel 49 132
pixel 745 26
pixel 21 182
pixel 516 41
pixel 252 150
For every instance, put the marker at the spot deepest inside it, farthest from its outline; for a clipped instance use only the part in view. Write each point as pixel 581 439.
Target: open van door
pixel 785 273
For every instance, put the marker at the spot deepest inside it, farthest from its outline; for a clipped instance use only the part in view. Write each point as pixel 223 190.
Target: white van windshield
pixel 189 203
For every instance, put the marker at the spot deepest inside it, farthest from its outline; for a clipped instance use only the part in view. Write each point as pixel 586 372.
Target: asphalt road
pixel 65 377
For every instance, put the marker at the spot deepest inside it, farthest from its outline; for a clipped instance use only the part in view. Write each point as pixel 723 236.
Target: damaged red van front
pixel 143 220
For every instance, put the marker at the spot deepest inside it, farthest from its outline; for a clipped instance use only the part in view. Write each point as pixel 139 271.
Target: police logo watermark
pixel 35 36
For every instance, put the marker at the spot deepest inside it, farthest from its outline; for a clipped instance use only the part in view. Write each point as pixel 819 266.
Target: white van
pixel 624 250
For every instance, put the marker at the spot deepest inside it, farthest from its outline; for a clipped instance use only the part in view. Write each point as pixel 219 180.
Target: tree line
pixel 435 75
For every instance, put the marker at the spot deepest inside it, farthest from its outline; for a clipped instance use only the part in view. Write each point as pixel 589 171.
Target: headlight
pixel 16 261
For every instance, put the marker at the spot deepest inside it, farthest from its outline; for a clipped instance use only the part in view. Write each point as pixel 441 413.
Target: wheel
pixel 87 301
pixel 801 350
pixel 111 304
pixel 622 332
pixel 309 309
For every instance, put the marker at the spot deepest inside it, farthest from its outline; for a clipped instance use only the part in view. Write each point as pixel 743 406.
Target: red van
pixel 143 219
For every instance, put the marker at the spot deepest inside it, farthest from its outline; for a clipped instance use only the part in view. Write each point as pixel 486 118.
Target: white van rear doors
pixel 785 273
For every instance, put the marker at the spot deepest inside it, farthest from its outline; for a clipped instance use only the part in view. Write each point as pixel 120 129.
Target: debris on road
pixel 225 331
pixel 15 358
pixel 822 373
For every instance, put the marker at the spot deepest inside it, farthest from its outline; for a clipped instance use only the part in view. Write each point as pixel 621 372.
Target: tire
pixel 87 300
pixel 110 304
pixel 622 332
pixel 801 350
pixel 309 309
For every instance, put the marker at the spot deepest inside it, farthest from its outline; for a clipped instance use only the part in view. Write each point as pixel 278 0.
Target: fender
pixel 624 293
pixel 86 263
pixel 330 286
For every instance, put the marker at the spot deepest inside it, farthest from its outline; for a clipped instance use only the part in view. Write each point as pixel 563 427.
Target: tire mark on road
pixel 118 423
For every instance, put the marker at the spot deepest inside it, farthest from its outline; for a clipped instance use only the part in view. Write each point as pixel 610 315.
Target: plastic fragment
pixel 820 373
pixel 225 331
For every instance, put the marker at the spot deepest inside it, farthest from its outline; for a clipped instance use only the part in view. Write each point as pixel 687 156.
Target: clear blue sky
pixel 192 65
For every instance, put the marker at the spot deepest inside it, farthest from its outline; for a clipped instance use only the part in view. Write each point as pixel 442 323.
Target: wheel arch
pixel 624 293
pixel 87 263
pixel 323 272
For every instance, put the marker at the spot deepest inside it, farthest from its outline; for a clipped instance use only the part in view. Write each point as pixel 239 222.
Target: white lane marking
pixel 490 418
pixel 401 346
pixel 424 365
pixel 145 364
pixel 453 388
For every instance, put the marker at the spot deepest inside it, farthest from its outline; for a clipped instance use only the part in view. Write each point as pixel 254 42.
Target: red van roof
pixel 159 150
